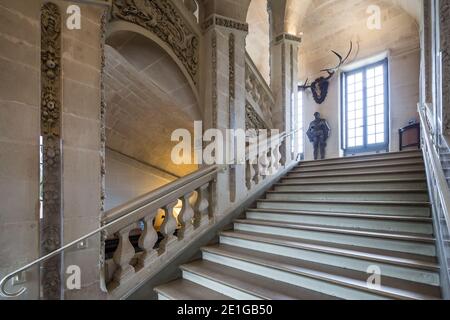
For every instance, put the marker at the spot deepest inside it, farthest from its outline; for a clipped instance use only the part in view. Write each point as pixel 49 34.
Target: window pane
pixel 351 79
pixel 366 119
pixel 379 99
pixel 359 141
pixel 379 71
pixel 379 80
pixel 380 90
pixel 380 138
pixel 380 118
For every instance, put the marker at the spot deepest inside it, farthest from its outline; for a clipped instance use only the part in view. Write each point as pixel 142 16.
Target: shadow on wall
pixel 148 97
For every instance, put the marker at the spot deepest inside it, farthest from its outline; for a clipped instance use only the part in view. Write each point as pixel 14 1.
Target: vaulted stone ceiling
pixel 296 11
pixel 148 98
pixel 290 15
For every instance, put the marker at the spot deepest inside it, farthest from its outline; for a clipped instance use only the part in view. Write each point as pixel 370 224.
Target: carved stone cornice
pixel 51 231
pixel 287 37
pixel 162 19
pixel 216 20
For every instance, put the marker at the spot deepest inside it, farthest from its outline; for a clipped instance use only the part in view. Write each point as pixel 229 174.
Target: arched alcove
pixel 147 97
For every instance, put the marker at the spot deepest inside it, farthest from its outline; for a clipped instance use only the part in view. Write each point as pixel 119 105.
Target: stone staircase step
pixel 368 195
pixel 409 165
pixel 183 289
pixel 350 175
pixel 239 284
pixel 337 282
pixel 408 208
pixel 394 241
pixel 352 185
pixel 409 267
pixel 419 225
pixel 320 233
pixel 416 155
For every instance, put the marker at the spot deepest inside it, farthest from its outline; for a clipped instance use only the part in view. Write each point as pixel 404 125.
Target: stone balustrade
pixel 259 95
pixel 178 225
pixel 263 160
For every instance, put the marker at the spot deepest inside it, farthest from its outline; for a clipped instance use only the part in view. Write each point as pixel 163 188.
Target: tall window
pixel 365 108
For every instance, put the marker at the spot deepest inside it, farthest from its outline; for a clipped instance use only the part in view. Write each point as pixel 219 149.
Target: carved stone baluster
pixel 202 207
pixel 263 167
pixel 276 158
pixel 186 216
pixel 147 242
pixel 274 161
pixel 123 255
pixel 168 227
pixel 250 174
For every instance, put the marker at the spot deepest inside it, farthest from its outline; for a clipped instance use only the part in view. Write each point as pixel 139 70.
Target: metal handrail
pixel 175 187
pixel 114 216
pixel 442 186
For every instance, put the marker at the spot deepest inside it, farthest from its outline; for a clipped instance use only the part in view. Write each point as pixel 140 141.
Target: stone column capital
pixel 216 20
pixel 286 38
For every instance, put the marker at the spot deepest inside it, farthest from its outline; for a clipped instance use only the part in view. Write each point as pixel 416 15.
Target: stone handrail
pixel 259 95
pixel 195 213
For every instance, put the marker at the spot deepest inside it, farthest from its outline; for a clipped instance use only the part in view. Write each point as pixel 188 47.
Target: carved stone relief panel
pixel 162 19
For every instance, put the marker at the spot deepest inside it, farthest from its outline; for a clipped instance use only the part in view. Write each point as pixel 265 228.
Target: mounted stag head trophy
pixel 319 87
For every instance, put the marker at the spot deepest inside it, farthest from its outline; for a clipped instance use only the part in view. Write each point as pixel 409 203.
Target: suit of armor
pixel 318 134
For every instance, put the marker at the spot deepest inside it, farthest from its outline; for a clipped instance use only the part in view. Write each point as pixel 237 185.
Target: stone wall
pixel 19 135
pixel 20 100
pixel 258 39
pixel 126 179
pixel 331 27
pixel 148 97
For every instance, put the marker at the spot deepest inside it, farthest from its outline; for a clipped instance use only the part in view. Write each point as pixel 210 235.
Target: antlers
pixel 330 71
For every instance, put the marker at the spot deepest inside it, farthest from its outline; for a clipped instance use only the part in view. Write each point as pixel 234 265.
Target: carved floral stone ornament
pixel 50 235
pixel 161 18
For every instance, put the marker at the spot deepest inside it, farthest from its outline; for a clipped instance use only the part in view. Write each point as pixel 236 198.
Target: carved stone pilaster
pixel 162 19
pixel 103 23
pixel 214 78
pixel 284 85
pixel 232 111
pixel 51 224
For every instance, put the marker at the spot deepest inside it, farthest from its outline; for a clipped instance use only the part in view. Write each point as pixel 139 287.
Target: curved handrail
pixel 134 206
pixel 442 189
pixel 158 193
pixel 127 210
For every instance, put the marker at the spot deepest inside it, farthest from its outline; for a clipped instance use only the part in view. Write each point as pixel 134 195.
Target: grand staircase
pixel 321 233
